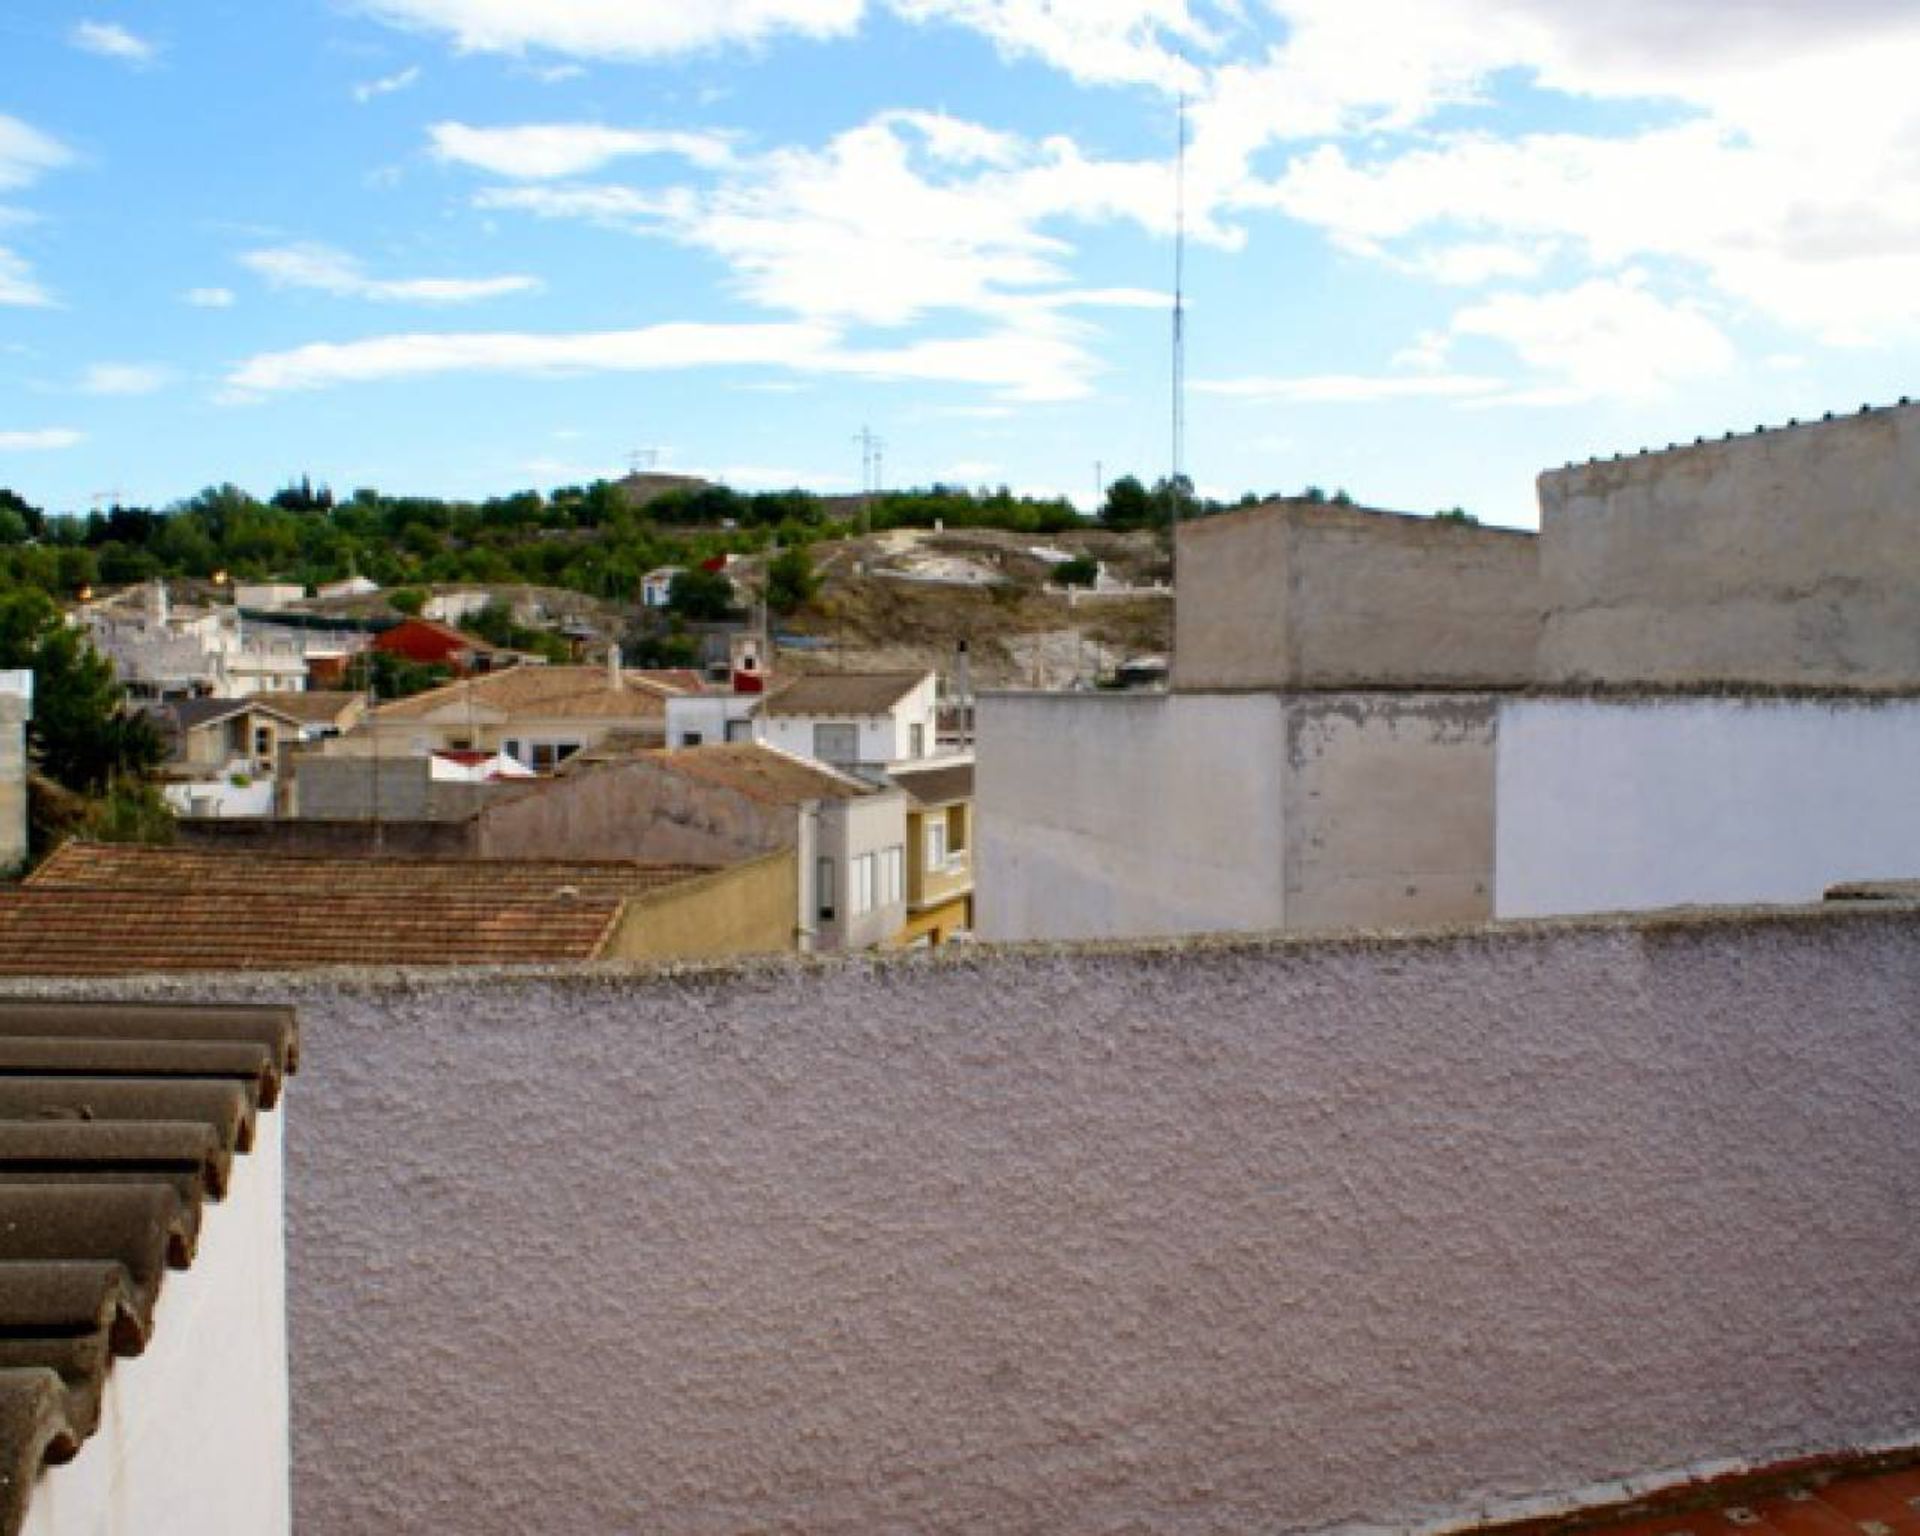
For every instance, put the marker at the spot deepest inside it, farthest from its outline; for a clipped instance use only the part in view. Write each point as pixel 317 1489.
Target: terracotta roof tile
pixel 536 692
pixel 763 773
pixel 102 1180
pixel 844 693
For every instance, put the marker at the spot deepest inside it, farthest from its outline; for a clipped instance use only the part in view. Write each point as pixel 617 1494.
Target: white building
pixel 852 720
pixel 163 651
pixel 657 586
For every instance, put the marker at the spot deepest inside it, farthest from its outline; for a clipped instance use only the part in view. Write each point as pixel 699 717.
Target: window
pixel 956 828
pixel 263 742
pixel 916 741
pixel 514 751
pixel 823 892
pixel 860 895
pixel 936 845
pixel 893 863
pixel 836 743
pixel 692 738
pixel 549 755
pixel 739 730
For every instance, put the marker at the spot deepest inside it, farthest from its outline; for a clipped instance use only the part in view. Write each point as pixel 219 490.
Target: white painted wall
pixel 1609 805
pixel 222 797
pixel 193 1437
pixel 1120 815
pixel 884 738
pixel 708 715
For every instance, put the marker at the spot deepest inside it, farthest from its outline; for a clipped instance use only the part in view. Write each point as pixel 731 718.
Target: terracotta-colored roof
pixel 533 692
pixel 1867 1495
pixel 679 679
pixel 937 783
pixel 844 693
pixel 118 1122
pixel 317 706
pixel 762 773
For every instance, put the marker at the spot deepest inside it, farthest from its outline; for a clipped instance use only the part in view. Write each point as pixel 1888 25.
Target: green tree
pixel 1081 572
pixel 700 595
pixel 1129 504
pixel 791 581
pixel 407 600
pixel 82 733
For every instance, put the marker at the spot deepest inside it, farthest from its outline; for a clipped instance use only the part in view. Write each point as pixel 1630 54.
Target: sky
pixel 464 247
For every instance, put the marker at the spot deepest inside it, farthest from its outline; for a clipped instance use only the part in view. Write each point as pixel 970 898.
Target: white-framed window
pixel 893 866
pixel 823 889
pixel 916 740
pixel 861 885
pixel 549 755
pixel 836 743
pixel 937 844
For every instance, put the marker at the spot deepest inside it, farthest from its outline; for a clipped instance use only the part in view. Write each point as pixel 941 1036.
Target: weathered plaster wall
pixel 750 909
pixel 193 1437
pixel 399 788
pixel 1790 556
pixel 1120 815
pixel 16 707
pixel 1390 810
pixel 1255 1237
pixel 1614 805
pixel 1292 595
pixel 631 810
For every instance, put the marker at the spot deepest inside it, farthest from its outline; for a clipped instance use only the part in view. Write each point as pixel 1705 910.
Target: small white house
pixel 854 719
pixel 657 586
pixel 353 586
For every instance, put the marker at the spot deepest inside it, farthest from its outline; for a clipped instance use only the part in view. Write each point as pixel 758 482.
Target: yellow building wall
pixel 750 909
pixel 939 923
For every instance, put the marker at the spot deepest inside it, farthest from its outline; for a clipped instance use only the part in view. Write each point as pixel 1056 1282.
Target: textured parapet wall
pixel 1300 595
pixel 1263 1237
pixel 1789 556
pixel 16 707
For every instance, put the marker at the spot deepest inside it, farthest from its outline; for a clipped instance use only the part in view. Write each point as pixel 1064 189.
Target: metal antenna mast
pixel 870 450
pixel 1179 308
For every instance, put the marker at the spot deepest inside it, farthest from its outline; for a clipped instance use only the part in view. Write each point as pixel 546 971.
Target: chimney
pixel 614 679
pixel 963 695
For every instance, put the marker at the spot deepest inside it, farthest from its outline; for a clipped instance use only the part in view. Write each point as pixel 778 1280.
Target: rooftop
pixel 536 692
pixel 937 783
pixel 763 773
pixel 844 693
pixel 314 707
pixel 191 714
pixel 118 1122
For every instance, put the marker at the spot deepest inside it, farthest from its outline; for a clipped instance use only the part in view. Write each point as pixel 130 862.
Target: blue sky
pixel 460 247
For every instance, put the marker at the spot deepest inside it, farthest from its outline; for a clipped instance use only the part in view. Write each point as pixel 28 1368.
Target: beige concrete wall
pixel 1205 1241
pixel 1790 556
pixel 335 788
pixel 1389 810
pixel 14 710
pixel 751 909
pixel 631 810
pixel 1293 595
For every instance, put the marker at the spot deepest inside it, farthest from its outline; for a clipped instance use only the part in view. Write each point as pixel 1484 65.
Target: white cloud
pixel 1024 365
pixel 617 29
pixel 209 298
pixel 126 378
pixel 387 85
pixel 327 270
pixel 41 440
pixel 1349 389
pixel 18 287
pixel 541 151
pixel 111 41
pixel 26 154
pixel 1134 42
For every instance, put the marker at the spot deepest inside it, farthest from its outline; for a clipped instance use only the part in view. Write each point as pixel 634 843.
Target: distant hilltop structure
pixel 643 486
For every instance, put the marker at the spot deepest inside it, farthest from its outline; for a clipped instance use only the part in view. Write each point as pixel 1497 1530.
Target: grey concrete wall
pixel 1790 556
pixel 631 810
pixel 1255 1237
pixel 329 788
pixel 425 839
pixel 14 710
pixel 1389 810
pixel 1121 815
pixel 1293 595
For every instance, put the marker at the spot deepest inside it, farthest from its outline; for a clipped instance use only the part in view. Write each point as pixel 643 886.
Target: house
pixel 656 587
pixel 853 719
pixel 224 754
pixel 322 713
pixel 144 1376
pixel 121 909
pixel 540 715
pixel 161 650
pixel 431 643
pixel 723 803
pixel 939 848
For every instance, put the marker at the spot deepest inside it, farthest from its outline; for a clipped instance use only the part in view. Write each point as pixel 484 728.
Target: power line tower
pixel 642 460
pixel 871 449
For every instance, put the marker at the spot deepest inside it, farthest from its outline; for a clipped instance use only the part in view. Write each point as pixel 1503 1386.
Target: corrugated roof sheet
pixel 535 692
pixel 763 773
pixel 844 693
pixel 117 1123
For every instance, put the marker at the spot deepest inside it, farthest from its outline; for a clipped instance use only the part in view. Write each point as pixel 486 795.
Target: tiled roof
pixel 191 714
pixel 679 679
pixel 763 773
pixel 1873 1495
pixel 317 706
pixel 110 909
pixel 117 1123
pixel 534 692
pixel 844 693
pixel 937 783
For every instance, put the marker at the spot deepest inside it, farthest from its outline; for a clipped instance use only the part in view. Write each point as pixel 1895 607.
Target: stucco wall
pixel 847 830
pixel 1389 810
pixel 1610 805
pixel 341 787
pixel 1255 1237
pixel 630 810
pixel 1294 595
pixel 1114 815
pixel 193 1437
pixel 15 708
pixel 1789 556
pixel 752 909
